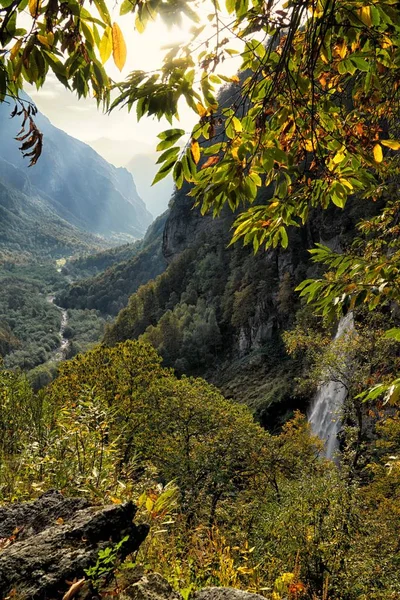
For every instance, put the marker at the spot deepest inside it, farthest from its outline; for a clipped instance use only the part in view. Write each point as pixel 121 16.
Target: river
pixel 60 353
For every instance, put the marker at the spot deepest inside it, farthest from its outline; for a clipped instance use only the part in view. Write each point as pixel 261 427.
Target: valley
pixel 199 381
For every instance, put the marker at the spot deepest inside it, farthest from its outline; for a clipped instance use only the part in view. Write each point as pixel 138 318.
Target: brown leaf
pixel 210 162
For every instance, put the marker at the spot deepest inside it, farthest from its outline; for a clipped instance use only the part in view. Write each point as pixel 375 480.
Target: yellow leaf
pixel 346 182
pixel 309 146
pixel 392 144
pixel 14 50
pixel 341 49
pixel 237 125
pixel 195 150
pixel 386 42
pixel 106 45
pixel 235 79
pixel 43 39
pixel 339 156
pixel 365 15
pixel 201 109
pixel 119 47
pixel 324 55
pixel 378 154
pixel 34 6
pixel 115 500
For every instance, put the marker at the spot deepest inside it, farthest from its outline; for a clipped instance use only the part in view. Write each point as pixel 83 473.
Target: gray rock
pixel 225 593
pixel 56 545
pixel 150 587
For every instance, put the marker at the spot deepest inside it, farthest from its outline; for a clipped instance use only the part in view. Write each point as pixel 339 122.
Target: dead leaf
pixel 74 589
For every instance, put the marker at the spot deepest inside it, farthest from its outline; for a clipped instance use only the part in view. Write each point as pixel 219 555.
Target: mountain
pixel 219 312
pixel 75 182
pixel 143 168
pixel 30 227
pixel 110 290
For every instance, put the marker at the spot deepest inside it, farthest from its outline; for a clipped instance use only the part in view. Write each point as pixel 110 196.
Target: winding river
pixel 60 353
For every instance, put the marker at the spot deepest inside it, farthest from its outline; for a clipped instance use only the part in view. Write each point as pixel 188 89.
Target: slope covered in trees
pixel 29 228
pixel 110 290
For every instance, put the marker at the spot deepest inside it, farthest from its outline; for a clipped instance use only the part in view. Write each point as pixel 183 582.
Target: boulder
pixel 149 587
pixel 49 542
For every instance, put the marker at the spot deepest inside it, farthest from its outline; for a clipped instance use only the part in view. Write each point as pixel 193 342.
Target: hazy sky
pixel 81 118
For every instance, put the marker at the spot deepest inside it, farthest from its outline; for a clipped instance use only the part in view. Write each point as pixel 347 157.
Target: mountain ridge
pixel 76 182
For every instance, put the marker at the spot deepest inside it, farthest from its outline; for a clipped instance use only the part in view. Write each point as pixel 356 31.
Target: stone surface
pixel 225 593
pixel 56 538
pixel 150 587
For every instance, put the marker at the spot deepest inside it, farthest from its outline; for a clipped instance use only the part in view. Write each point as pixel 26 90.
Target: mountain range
pixel 143 167
pixel 72 192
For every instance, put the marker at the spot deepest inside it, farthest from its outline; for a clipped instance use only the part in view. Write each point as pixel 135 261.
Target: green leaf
pixel 360 63
pixel 284 237
pixel 103 11
pixel 168 154
pixel 126 7
pixel 165 169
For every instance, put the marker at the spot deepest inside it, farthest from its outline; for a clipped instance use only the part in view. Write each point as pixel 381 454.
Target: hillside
pixel 30 227
pixel 74 182
pixel 219 311
pixel 110 290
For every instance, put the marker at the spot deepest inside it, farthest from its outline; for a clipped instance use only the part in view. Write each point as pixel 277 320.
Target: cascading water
pixel 325 416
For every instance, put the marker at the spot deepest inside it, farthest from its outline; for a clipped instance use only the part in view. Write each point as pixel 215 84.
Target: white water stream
pixel 59 353
pixel 325 416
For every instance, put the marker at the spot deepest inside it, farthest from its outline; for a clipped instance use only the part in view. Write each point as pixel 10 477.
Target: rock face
pixel 50 541
pixel 150 587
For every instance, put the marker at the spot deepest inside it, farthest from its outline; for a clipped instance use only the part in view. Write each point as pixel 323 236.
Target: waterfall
pixel 325 416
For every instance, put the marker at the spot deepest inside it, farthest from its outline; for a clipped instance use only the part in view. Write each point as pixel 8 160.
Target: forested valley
pixel 203 405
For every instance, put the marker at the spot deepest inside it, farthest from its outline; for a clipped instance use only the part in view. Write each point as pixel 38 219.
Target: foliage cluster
pixel 246 508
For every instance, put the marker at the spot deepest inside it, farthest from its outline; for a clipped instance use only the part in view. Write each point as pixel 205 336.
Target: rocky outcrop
pixel 149 587
pixel 49 542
